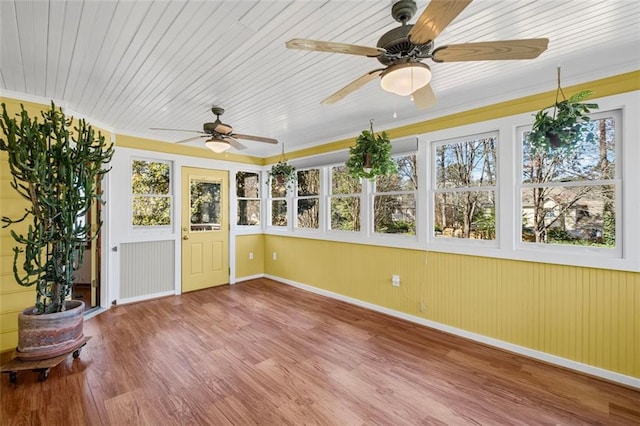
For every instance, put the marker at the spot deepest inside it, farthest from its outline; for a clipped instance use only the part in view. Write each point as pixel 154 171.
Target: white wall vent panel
pixel 146 269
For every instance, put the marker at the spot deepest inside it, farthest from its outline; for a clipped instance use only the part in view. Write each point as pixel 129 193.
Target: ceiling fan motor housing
pixel 397 45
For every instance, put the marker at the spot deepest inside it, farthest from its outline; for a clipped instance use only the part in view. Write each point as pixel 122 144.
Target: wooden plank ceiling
pixel 133 65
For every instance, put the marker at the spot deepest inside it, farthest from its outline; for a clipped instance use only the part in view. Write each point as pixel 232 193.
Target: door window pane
pixel 205 205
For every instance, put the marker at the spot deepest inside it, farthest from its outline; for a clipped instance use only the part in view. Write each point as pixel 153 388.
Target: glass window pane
pixel 465 164
pixel 151 211
pixel 345 213
pixel 278 188
pixel 343 183
pixel 308 213
pixel 279 213
pixel 248 212
pixel 247 185
pixel 467 214
pixel 205 205
pixel 592 158
pixel 150 177
pixel 308 182
pixel 576 215
pixel 405 180
pixel 395 214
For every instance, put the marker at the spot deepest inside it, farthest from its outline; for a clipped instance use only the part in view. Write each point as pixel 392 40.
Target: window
pixel 278 202
pixel 344 200
pixel 308 199
pixel 464 188
pixel 205 205
pixel 248 195
pixel 151 193
pixel 394 199
pixel 568 194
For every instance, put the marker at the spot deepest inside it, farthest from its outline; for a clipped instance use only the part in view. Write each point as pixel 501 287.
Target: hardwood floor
pixel 265 353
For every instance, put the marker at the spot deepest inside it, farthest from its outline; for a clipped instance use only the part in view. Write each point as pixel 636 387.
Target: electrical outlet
pixel 395 280
pixel 250 255
pixel 275 256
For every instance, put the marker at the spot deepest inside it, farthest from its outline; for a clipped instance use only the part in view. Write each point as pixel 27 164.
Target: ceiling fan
pixel 221 135
pixel 402 49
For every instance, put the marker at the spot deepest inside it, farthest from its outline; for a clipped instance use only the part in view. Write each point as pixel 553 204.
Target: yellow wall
pixel 591 316
pixel 246 244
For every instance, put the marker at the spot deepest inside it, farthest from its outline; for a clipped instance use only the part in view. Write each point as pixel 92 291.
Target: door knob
pixel 186 237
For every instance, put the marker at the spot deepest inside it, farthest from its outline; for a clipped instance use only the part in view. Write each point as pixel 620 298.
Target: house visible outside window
pixel 152 196
pixel 308 199
pixel 568 194
pixel 344 200
pixel 248 195
pixel 394 199
pixel 464 187
pixel 278 202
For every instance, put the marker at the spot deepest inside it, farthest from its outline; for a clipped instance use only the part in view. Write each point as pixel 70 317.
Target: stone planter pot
pixel 49 335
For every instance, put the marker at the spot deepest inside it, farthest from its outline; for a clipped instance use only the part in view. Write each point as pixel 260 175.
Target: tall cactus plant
pixel 58 171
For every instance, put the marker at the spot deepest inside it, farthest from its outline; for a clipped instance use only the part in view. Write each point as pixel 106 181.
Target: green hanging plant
pixel 562 127
pixel 283 172
pixel 371 156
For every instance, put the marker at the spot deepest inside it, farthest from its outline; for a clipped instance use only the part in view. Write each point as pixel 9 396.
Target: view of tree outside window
pixel 568 193
pixel 205 201
pixel 308 199
pixel 394 200
pixel 248 195
pixel 278 201
pixel 151 190
pixel 465 188
pixel 345 200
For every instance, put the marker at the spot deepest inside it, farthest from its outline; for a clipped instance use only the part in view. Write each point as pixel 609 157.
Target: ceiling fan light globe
pixel 217 145
pixel 404 79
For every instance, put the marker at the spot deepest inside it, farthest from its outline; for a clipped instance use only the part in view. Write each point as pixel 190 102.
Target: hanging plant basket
pixel 283 172
pixel 559 125
pixel 371 156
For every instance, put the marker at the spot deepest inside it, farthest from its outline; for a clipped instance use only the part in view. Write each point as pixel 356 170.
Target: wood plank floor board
pixel 264 353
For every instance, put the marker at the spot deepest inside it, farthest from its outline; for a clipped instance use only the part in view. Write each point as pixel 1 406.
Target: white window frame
pixel 297 198
pixel 269 210
pixel 372 193
pixel 170 196
pixel 617 182
pixel 433 190
pixel 238 199
pixel 330 195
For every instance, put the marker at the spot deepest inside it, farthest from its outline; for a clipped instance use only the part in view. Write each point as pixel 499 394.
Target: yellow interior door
pixel 205 228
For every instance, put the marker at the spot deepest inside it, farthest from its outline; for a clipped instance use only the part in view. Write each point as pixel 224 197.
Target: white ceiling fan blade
pixel 192 138
pixel 332 47
pixel 424 97
pixel 177 130
pixel 492 50
pixel 235 144
pixel 255 138
pixel 352 87
pixel 435 18
pixel 222 128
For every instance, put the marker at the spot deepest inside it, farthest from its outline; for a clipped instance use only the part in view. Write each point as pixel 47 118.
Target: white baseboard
pixel 633 382
pixel 249 278
pixel 146 297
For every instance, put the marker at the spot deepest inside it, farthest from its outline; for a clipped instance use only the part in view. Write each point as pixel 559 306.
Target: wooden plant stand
pixel 42 367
